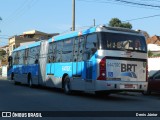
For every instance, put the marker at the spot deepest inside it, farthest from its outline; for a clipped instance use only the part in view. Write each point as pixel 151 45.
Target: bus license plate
pixel 128 86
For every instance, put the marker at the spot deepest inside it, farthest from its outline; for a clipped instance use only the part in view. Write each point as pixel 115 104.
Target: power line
pixel 125 3
pixel 135 3
pixel 142 18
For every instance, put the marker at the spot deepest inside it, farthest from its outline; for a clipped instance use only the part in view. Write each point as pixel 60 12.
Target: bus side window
pixel 91 45
pixel 32 55
pixel 21 56
pixel 16 57
pixel 26 56
pixel 67 50
pixel 13 58
pixel 81 48
pixel 50 52
pixel 53 57
pixel 59 51
pixel 37 49
pixel 75 50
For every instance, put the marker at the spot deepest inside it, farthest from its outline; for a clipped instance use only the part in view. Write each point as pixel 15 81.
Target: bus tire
pixel 30 84
pixel 67 89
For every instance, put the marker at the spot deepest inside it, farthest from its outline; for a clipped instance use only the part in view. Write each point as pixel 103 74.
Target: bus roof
pixel 58 37
pixel 73 34
pixel 99 28
pixel 27 46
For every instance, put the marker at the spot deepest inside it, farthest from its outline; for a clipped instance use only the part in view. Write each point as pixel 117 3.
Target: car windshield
pixel 119 41
pixel 154 74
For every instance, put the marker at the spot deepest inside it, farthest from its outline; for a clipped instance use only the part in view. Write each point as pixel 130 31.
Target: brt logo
pixel 128 67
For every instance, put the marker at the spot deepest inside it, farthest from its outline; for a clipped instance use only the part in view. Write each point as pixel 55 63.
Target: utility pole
pixel 94 22
pixel 0 19
pixel 73 15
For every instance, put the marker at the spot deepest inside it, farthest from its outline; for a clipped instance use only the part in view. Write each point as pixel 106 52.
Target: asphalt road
pixel 22 98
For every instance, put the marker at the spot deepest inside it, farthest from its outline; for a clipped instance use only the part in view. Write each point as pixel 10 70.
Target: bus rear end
pixel 122 61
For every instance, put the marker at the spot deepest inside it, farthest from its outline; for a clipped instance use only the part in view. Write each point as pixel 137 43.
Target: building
pixel 154 40
pixel 154 44
pixel 154 48
pixel 27 37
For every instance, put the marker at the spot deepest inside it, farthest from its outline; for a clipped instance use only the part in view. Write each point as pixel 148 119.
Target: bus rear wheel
pixel 67 89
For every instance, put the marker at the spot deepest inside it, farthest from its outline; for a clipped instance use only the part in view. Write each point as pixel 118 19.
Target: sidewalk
pixel 3 78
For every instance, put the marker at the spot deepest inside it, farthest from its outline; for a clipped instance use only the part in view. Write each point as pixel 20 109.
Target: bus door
pixel 42 62
pixel 89 83
pixel 90 61
pixel 50 70
pixel 77 57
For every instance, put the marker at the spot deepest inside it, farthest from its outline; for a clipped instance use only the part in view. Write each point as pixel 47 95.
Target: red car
pixel 154 83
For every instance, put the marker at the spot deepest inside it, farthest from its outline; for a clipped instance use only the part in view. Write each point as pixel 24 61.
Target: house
pixel 154 44
pixel 28 37
pixel 154 40
pixel 154 48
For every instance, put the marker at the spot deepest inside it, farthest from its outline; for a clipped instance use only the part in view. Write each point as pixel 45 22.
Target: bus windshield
pixel 117 41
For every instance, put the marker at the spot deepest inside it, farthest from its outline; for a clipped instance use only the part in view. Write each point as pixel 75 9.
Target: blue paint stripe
pixel 27 46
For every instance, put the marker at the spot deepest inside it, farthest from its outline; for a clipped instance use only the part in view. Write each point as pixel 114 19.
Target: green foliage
pixel 2 53
pixel 157 55
pixel 150 54
pixel 115 22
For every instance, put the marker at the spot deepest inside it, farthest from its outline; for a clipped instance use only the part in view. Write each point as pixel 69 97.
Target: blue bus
pixel 90 60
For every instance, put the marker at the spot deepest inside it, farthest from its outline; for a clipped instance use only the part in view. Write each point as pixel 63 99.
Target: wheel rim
pixel 67 86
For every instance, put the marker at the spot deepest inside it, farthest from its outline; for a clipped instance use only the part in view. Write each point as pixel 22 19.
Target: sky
pixel 55 16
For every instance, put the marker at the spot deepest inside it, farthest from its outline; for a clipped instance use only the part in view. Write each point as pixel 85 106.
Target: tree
pixel 115 22
pixel 2 53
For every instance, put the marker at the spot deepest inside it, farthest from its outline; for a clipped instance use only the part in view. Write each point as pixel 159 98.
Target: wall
pixel 4 71
pixel 153 65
